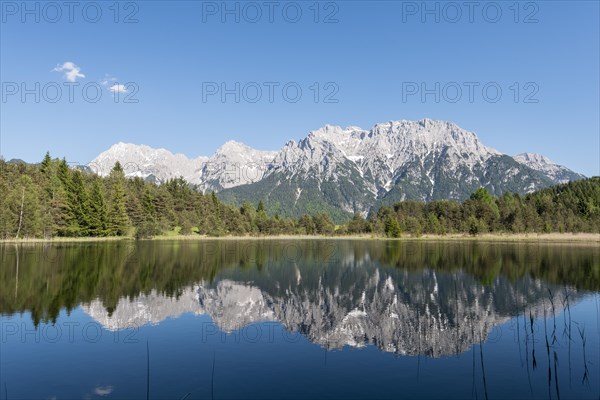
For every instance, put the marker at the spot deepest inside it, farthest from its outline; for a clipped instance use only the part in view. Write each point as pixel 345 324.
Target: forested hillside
pixel 570 207
pixel 50 199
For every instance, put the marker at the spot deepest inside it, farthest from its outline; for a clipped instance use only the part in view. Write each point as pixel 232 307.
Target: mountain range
pixel 347 170
pixel 423 312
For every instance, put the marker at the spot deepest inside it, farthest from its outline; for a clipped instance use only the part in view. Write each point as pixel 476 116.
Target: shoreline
pixel 592 238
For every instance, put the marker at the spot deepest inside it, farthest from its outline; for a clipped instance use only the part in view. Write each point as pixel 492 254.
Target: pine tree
pixel 134 209
pixel 46 163
pixel 358 224
pixel 79 206
pixel 56 176
pixel 118 222
pixel 483 195
pixel 29 208
pixel 98 211
pixel 307 223
pixel 148 206
pixel 433 224
pixel 392 227
pixel 215 200
pixel 63 171
pixel 323 224
pixel 473 225
pixel 262 221
pixel 6 211
pixel 148 225
pixel 71 227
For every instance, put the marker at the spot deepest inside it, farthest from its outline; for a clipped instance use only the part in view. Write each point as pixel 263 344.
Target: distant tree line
pixel 570 207
pixel 51 199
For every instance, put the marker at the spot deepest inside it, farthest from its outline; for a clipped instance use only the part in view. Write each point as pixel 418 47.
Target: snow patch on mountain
pixel 556 172
pixel 234 164
pixel 143 161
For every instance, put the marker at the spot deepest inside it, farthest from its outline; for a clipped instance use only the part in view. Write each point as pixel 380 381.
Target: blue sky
pixel 367 62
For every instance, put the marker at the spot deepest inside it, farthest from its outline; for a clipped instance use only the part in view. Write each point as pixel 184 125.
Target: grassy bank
pixel 493 237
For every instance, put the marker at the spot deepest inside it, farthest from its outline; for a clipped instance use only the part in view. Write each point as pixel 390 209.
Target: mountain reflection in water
pixel 410 298
pixel 475 310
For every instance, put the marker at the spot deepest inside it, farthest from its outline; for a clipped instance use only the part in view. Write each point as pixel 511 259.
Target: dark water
pixel 299 319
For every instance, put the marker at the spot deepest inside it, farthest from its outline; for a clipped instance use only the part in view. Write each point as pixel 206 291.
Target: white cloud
pixel 103 390
pixel 118 88
pixel 107 80
pixel 112 84
pixel 72 71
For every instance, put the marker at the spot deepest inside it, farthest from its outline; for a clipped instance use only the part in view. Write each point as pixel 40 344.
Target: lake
pixel 299 319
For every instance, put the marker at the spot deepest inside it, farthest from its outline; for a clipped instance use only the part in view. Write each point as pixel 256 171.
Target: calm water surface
pixel 298 319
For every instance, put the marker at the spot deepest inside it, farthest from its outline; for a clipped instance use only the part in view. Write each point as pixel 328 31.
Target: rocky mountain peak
pixel 538 162
pixel 358 169
pixel 233 146
pixel 533 158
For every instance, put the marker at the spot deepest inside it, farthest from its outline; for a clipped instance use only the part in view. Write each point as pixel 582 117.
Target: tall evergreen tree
pixel 392 227
pixel 79 206
pixel 46 163
pixel 30 222
pixel 118 221
pixel 148 205
pixel 98 210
